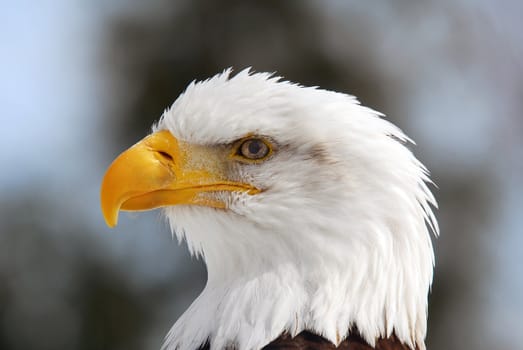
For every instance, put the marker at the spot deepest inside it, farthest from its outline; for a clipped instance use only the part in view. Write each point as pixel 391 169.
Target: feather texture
pixel 337 238
pixel 310 341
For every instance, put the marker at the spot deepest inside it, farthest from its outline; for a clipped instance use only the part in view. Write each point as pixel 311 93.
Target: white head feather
pixel 336 241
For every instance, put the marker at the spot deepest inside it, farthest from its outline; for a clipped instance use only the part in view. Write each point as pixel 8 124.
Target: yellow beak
pixel 160 171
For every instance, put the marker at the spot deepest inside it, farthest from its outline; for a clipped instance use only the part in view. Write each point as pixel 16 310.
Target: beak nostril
pixel 165 155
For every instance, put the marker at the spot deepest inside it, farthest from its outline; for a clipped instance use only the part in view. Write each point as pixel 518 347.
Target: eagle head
pixel 308 209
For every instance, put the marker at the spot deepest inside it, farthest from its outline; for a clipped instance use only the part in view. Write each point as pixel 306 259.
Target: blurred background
pixel 83 80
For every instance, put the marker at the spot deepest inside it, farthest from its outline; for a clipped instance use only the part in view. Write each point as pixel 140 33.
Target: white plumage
pixel 338 237
pixel 334 238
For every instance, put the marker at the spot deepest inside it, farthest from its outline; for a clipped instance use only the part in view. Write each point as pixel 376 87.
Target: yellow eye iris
pixel 253 149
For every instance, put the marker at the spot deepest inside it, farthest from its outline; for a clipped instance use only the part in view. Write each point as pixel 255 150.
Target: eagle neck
pixel 326 287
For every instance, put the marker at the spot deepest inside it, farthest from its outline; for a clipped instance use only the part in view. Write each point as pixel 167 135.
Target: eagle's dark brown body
pixel 310 341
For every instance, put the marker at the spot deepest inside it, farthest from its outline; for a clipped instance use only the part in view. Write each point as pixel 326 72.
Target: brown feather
pixel 309 341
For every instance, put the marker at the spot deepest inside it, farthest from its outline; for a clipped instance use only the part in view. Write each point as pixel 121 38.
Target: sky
pixel 48 87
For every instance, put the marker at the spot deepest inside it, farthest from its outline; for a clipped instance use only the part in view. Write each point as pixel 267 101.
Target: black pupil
pixel 254 147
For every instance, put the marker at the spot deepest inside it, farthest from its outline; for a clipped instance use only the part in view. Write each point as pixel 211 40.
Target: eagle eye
pixel 253 149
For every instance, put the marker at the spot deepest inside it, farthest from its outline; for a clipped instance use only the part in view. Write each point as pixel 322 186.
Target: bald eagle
pixel 312 216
